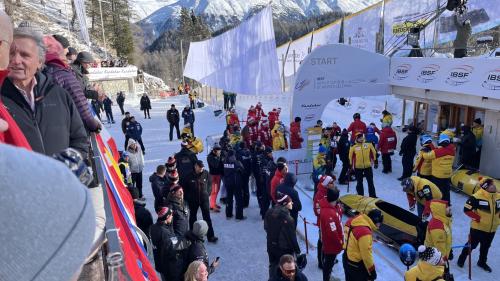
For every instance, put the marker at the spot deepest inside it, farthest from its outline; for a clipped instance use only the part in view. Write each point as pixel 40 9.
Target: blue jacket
pixel 134 130
pixel 370 135
pixel 188 116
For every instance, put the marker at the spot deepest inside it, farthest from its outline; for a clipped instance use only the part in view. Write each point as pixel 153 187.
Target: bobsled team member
pixel 483 207
pixel 421 191
pixel 362 155
pixel 330 218
pixel 442 164
pixel 439 228
pixel 430 266
pixel 358 257
pixel 356 127
pixel 422 166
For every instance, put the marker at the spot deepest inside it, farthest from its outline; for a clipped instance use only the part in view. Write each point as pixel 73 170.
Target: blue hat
pixel 425 139
pixel 444 138
pixel 322 149
pixel 124 154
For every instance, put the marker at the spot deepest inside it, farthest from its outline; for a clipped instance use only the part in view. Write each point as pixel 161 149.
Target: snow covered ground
pixel 242 245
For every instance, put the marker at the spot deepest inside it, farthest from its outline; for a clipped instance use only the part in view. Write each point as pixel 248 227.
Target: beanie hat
pixel 200 229
pixel 216 147
pixel 72 51
pixel 290 179
pixel 430 255
pixel 62 40
pixel 283 199
pixel 322 149
pixel 163 213
pixel 298 119
pixel 199 163
pixel 84 57
pixel 485 182
pixel 171 164
pixel 280 165
pixel 332 195
pixel 268 150
pixel 175 187
pixel 477 121
pixel 134 192
pixel 54 48
pixel 173 176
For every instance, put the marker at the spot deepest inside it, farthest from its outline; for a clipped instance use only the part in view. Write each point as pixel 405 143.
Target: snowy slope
pixel 222 12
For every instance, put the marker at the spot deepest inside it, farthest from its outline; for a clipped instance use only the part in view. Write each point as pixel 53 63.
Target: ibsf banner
pixel 334 71
pixel 473 76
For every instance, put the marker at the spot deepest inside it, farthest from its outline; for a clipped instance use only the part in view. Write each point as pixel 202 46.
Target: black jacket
pixel 125 123
pixel 55 125
pixel 188 116
pixel 409 145
pixel 157 184
pixel 181 216
pixel 168 250
pixel 185 162
pixel 468 147
pixel 145 103
pixel 120 98
pixel 343 147
pixel 299 276
pixel 232 170
pixel 287 187
pixel 143 217
pixel 173 116
pixel 245 157
pixel 197 252
pixel 215 164
pixel 280 230
pixel 197 187
pixel 107 102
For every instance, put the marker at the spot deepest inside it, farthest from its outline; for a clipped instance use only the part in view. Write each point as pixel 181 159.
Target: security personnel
pixel 424 167
pixel 439 228
pixel 421 191
pixel 483 207
pixel 232 180
pixel 442 164
pixel 361 156
pixel 358 257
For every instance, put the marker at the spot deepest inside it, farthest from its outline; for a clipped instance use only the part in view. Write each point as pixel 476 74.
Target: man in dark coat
pixel 145 105
pixel 143 217
pixel 134 131
pixel 408 151
pixel 280 230
pixel 288 188
pixel 158 181
pixel 233 170
pixel 107 102
pixel 468 148
pixel 120 100
pixel 343 150
pixel 173 121
pixel 185 160
pixel 245 157
pixel 197 187
pixel 125 122
pixel 269 167
pixel 197 249
pixel 168 247
pixel 288 270
pixel 188 116
pixel 176 202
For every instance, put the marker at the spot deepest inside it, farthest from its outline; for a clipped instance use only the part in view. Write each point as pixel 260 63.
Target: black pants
pixel 262 196
pixel 146 112
pixel 478 237
pixel 139 140
pixel 368 174
pixel 109 115
pixel 328 262
pixel 171 133
pixel 126 141
pixel 320 251
pixel 235 191
pixel 191 104
pixel 273 265
pixel 121 108
pixel 343 173
pixel 477 159
pixel 226 102
pixel 137 182
pixel 204 205
pixel 444 187
pixel 386 162
pixel 407 162
pixel 354 271
pixel 245 177
pixel 232 100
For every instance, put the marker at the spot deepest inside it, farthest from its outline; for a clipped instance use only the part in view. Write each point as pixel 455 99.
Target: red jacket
pixel 265 136
pixel 252 114
pixel 295 138
pixel 275 181
pixel 259 113
pixel 357 126
pixel 233 119
pixel 320 194
pixel 332 235
pixel 388 140
pixel 273 117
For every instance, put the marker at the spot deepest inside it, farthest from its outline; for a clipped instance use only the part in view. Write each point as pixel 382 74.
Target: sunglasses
pixel 288 271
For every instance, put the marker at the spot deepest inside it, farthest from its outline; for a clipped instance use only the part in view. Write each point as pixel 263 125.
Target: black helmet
pixel 376 216
pixel 356 116
pixel 407 184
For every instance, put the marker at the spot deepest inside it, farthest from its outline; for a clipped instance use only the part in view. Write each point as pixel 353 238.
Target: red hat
pixel 173 176
pixel 163 213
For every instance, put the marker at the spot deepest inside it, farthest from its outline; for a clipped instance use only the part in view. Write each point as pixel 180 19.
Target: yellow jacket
pixel 319 161
pixel 424 190
pixel 439 228
pixel 421 165
pixel 359 240
pixel 478 132
pixel 485 207
pixel 387 120
pixel 278 138
pixel 361 155
pixel 186 130
pixel 192 95
pixel 442 160
pixel 325 142
pixel 425 272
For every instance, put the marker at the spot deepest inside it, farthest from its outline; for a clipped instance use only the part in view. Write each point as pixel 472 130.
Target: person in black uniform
pixel 245 157
pixel 343 147
pixel 232 180
pixel 408 151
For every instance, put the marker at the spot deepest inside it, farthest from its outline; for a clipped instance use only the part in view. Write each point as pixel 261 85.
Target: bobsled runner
pixel 466 181
pixel 399 226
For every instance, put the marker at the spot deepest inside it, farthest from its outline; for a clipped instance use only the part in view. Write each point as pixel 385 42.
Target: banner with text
pixel 361 29
pixel 473 76
pixel 112 73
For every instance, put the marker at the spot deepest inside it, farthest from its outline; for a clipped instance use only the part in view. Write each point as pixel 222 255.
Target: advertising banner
pixel 334 71
pixel 360 30
pixel 473 76
pixel 112 73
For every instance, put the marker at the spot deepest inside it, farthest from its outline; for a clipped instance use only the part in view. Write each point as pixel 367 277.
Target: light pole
pixel 182 65
pixel 102 26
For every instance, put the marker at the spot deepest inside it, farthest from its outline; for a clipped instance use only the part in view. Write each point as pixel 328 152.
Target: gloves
pixel 75 162
pixel 412 207
pixel 373 275
pixel 375 165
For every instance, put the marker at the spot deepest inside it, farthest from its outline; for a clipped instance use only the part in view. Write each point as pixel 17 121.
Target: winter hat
pixel 173 176
pixel 407 185
pixel 332 195
pixel 280 165
pixel 319 122
pixel 430 255
pixel 62 40
pixel 200 163
pixel 283 199
pixel 477 121
pixel 134 192
pixel 124 154
pixel 72 51
pixel 164 213
pixel 425 139
pixel 385 112
pixel 290 179
pixel 54 48
pixel 356 116
pixel 268 150
pixel 484 183
pixel 174 188
pixel 259 104
pixel 84 57
pixel 216 147
pixel 200 229
pixel 322 149
pixel 171 164
pixel 326 180
pixel 298 119
pixel 376 216
pixel 443 138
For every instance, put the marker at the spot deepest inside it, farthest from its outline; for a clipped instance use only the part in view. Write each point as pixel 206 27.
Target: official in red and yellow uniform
pixel 361 156
pixel 439 228
pixel 420 191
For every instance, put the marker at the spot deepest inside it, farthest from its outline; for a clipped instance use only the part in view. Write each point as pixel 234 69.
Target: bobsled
pixel 399 226
pixel 466 181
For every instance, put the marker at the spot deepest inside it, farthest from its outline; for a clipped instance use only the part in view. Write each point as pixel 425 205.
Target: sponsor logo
pixel 310 117
pixel 402 72
pixel 459 75
pixel 323 61
pixel 428 73
pixel 492 81
pixel 310 106
pixel 299 86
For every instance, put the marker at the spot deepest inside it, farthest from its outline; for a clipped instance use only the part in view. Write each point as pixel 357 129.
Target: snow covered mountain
pixel 219 13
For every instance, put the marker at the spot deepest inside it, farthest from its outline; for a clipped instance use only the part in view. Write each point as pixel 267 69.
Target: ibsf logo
pixel 492 81
pixel 459 75
pixel 402 72
pixel 302 84
pixel 428 73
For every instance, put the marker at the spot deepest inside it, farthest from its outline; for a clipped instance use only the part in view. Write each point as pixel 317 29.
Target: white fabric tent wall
pixel 242 60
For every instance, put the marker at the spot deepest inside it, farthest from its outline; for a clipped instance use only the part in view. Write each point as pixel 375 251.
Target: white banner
pixel 112 73
pixel 334 71
pixel 242 60
pixel 361 29
pixel 473 76
pixel 82 20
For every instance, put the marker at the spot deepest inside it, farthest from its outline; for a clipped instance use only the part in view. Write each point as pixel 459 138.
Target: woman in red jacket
pixel 331 230
pixel 386 146
pixel 295 135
